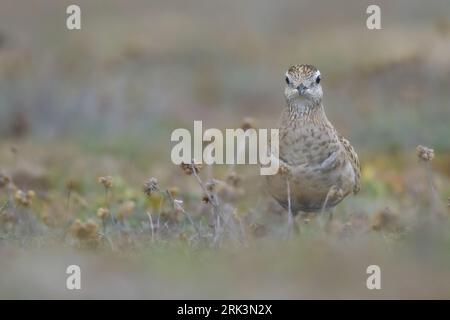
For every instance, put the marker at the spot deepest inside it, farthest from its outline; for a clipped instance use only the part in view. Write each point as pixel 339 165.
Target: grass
pixel 78 106
pixel 202 228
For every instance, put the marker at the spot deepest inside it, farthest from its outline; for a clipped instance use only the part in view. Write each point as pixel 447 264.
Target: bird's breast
pixel 307 144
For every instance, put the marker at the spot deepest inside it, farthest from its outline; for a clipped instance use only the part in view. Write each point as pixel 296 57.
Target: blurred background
pixel 104 100
pixel 138 69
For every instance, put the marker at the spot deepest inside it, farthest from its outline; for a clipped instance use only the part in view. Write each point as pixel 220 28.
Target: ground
pixel 85 123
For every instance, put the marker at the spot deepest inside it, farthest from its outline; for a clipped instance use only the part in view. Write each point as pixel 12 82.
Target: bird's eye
pixel 287 80
pixel 318 79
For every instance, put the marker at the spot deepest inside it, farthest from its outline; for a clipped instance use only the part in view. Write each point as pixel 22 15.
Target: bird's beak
pixel 301 89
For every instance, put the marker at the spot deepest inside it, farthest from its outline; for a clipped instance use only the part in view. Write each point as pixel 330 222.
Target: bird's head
pixel 303 84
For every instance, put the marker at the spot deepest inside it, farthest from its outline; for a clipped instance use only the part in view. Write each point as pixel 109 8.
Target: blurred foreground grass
pixel 395 222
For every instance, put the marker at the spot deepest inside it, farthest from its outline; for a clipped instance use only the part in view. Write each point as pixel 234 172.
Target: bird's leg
pixel 330 214
pixel 286 170
pixel 324 206
pixel 295 226
pixel 290 215
pixel 328 223
pixel 332 193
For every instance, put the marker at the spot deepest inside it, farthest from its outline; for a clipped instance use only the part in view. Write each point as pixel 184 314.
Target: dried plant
pixel 4 181
pixel 24 199
pixel 190 169
pixel 424 153
pixel 150 186
pixel 106 181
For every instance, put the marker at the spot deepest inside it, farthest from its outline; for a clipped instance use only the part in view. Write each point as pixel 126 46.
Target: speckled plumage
pixel 322 167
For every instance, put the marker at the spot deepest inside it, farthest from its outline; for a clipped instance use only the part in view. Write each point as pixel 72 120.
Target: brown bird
pixel 317 166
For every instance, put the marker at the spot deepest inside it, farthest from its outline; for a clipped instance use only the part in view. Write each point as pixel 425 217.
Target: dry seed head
pixel 247 123
pixel 24 198
pixel 103 213
pixel 173 191
pixel 189 168
pixel 31 194
pixel 106 181
pixel 205 198
pixel 424 153
pixel 91 227
pixel 150 186
pixel 126 209
pixel 4 180
pixel 87 230
pixel 76 225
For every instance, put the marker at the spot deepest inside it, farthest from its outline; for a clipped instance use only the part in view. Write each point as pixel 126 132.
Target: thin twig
pixel 176 205
pixel 69 193
pixel 325 203
pixel 151 225
pixel 437 204
pixel 102 235
pixel 216 208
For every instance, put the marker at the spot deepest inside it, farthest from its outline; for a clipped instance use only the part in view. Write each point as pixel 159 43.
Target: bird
pixel 317 167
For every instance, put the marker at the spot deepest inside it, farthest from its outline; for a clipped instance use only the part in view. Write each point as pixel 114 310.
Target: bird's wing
pixel 353 158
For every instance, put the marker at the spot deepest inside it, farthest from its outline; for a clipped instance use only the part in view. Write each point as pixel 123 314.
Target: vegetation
pixel 85 170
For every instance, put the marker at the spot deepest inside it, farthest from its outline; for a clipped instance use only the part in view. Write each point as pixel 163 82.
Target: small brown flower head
pixel 24 198
pixel 84 231
pixel 4 180
pixel 205 198
pixel 103 213
pixel 126 209
pixel 174 191
pixel 91 228
pixel 424 153
pixel 247 123
pixel 76 226
pixel 189 168
pixel 150 186
pixel 31 194
pixel 106 181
